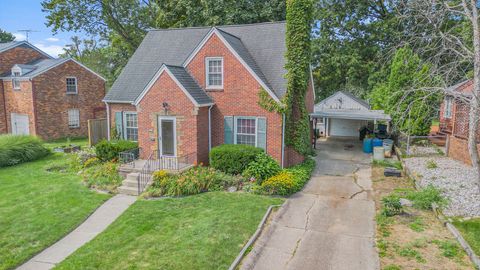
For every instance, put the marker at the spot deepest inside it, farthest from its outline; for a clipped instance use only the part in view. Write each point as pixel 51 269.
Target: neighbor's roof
pixel 261 46
pixel 464 87
pixel 10 45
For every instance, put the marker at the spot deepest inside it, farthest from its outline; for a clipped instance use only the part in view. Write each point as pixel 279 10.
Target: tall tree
pixel 351 41
pixel 299 21
pixel 6 36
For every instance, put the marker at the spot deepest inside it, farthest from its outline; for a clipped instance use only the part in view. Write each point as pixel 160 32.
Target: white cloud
pixel 19 36
pixel 52 39
pixel 53 50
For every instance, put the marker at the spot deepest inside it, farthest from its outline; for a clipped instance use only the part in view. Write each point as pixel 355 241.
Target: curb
pixel 453 230
pixel 254 237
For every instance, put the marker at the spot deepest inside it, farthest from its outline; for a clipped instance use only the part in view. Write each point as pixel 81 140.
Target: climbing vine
pixel 268 103
pixel 299 20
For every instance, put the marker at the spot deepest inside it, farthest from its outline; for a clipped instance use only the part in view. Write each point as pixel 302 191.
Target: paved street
pixel 330 224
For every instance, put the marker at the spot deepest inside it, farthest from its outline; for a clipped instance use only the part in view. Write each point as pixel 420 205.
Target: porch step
pixel 128 190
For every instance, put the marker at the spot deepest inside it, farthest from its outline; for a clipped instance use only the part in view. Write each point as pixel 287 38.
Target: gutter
pixel 283 140
pixel 108 121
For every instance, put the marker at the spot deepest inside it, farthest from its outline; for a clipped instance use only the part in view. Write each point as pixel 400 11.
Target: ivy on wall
pixel 268 103
pixel 299 20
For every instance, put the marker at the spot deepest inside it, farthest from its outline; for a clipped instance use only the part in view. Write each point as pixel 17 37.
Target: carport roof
pixel 353 114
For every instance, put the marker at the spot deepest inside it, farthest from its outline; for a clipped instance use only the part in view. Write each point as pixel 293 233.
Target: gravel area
pixel 456 180
pixel 416 150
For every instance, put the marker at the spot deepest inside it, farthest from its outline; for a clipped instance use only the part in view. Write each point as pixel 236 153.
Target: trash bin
pixel 388 145
pixel 367 145
pixel 378 153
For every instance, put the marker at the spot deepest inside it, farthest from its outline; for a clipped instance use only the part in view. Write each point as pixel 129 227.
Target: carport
pixel 343 115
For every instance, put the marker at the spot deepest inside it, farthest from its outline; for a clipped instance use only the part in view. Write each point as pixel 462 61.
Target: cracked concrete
pixel 328 225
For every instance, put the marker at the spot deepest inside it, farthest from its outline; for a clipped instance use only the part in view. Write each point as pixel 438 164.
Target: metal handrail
pixel 129 156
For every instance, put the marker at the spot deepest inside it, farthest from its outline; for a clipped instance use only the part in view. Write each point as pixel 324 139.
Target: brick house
pixel 187 90
pixel 47 97
pixel 454 113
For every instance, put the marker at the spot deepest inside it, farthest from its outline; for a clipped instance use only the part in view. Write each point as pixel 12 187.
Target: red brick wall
pixel 52 102
pixel 3 115
pixel 18 55
pixel 458 149
pixel 192 122
pixel 19 101
pixel 239 97
pixel 118 107
pixel 446 124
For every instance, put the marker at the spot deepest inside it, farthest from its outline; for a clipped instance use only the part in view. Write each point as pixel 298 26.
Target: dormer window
pixel 71 85
pixel 214 72
pixel 16 81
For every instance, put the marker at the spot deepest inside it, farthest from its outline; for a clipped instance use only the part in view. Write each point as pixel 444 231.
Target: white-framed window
pixel 214 72
pixel 246 130
pixel 130 126
pixel 71 85
pixel 448 107
pixel 73 118
pixel 16 81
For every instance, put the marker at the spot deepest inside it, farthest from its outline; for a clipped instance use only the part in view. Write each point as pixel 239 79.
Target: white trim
pixel 117 101
pixel 155 78
pixel 207 37
pixel 235 119
pixel 124 122
pixel 207 67
pixel 76 85
pixel 159 129
pixel 18 43
pixel 108 121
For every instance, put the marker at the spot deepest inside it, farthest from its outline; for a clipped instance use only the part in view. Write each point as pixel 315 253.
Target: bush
pixel 193 181
pixel 262 168
pixel 15 149
pixel 391 205
pixel 233 158
pixel 109 150
pixel 424 198
pixel 103 176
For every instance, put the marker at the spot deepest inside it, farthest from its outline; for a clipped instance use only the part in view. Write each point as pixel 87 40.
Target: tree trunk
pixel 474 102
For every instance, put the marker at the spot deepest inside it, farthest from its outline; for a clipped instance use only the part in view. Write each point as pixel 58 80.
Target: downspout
pixel 283 139
pixel 210 128
pixel 108 120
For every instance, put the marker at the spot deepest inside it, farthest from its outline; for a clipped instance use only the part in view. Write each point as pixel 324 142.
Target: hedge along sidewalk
pixel 254 237
pixel 95 224
pixel 438 213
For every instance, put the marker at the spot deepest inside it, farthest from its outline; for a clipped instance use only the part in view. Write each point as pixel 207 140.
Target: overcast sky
pixel 17 15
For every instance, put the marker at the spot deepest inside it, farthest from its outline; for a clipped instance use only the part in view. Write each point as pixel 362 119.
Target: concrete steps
pixel 130 184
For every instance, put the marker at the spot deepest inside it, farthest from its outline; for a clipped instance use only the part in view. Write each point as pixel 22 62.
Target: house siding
pixel 52 102
pixel 239 96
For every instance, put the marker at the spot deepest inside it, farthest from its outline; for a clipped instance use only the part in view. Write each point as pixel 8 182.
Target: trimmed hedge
pixel 109 150
pixel 15 149
pixel 233 158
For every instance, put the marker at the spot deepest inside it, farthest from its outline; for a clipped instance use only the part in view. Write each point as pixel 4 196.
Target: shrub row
pixel 15 149
pixel 233 158
pixel 288 181
pixel 109 150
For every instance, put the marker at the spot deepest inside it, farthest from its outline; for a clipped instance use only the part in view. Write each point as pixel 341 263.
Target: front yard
pixel 204 231
pixel 38 207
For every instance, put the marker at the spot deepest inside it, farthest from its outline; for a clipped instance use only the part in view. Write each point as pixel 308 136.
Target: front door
pixel 20 124
pixel 167 143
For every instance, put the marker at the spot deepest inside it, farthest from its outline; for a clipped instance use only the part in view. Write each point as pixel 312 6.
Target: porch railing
pixel 156 163
pixel 128 157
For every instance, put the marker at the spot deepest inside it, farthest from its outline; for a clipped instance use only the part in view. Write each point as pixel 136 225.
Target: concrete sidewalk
pixel 330 224
pixel 95 224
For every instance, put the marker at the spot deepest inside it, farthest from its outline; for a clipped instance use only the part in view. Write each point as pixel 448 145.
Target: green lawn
pixel 38 207
pixel 470 230
pixel 204 231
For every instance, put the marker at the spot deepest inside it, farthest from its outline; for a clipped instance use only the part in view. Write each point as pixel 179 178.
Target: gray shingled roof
pixel 39 66
pixel 261 46
pixel 9 45
pixel 189 83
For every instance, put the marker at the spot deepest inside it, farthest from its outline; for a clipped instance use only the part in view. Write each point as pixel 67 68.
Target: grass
pixel 470 230
pixel 388 163
pixel 203 231
pixel 38 207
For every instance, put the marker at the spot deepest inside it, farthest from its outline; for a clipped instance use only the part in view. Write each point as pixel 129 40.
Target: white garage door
pixel 20 124
pixel 345 127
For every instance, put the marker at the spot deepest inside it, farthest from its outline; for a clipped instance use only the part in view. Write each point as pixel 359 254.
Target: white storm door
pixel 167 142
pixel 20 124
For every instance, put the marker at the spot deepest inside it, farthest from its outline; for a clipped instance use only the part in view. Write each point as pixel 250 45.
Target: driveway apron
pixel 328 225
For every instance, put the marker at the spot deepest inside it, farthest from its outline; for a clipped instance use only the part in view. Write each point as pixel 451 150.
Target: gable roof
pixel 260 46
pixel 357 100
pixel 183 79
pixel 10 45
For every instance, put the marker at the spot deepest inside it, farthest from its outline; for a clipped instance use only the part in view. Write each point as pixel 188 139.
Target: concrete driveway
pixel 328 225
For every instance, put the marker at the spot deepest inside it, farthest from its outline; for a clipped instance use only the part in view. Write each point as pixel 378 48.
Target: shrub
pixel 233 158
pixel 424 198
pixel 431 164
pixel 280 184
pixel 262 168
pixel 109 150
pixel 102 176
pixel 391 205
pixel 15 149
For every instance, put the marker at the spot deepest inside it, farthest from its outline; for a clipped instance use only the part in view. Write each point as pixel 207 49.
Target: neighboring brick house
pixel 47 97
pixel 187 90
pixel 454 114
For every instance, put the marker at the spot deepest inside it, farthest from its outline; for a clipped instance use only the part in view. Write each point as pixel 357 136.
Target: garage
pixel 344 115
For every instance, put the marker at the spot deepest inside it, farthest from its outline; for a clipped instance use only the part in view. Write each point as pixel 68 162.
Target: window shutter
pixel 228 130
pixel 119 124
pixel 262 133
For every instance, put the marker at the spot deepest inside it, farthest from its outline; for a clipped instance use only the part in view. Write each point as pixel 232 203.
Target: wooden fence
pixel 97 130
